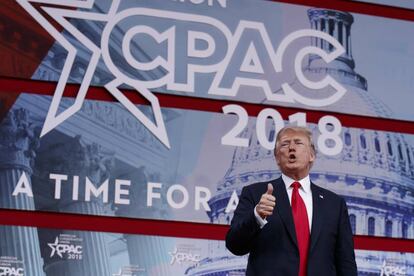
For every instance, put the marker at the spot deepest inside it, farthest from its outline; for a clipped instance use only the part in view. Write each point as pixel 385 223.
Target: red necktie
pixel 300 217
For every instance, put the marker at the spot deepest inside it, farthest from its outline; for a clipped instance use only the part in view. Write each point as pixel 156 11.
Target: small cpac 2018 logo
pixel 185 256
pixel 392 269
pixel 216 58
pixel 63 248
pixel 11 271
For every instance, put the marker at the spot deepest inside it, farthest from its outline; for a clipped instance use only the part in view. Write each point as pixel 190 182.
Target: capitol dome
pixel 374 171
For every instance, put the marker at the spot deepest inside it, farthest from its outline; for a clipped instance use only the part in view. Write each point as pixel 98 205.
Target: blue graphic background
pixel 374 172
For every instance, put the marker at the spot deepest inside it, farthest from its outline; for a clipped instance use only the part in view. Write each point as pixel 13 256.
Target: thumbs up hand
pixel 267 203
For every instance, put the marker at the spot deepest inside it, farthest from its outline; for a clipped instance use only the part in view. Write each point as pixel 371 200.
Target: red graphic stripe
pixel 23 45
pixel 162 228
pixel 8 85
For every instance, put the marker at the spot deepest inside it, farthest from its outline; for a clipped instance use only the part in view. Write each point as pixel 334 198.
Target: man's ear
pixel 312 156
pixel 277 162
pixel 277 159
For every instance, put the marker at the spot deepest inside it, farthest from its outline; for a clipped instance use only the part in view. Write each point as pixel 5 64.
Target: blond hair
pixel 300 129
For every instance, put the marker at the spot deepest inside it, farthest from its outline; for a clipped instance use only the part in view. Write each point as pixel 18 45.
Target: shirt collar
pixel 304 182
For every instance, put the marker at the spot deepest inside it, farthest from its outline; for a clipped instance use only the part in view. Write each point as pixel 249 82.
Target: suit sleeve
pixel 344 251
pixel 244 227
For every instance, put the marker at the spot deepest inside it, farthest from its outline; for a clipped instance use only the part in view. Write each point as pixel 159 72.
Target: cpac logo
pixel 11 271
pixel 392 270
pixel 181 257
pixel 179 56
pixel 60 249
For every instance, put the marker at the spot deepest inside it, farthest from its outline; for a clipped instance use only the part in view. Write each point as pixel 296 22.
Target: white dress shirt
pixel 304 191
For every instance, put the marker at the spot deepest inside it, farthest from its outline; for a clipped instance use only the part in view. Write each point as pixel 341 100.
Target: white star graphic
pixel 53 246
pixel 174 256
pixel 68 9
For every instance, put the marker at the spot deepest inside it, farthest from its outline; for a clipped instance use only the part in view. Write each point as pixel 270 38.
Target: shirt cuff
pixel 259 220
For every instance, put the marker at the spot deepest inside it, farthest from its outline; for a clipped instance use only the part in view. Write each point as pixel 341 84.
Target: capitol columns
pixel 144 251
pixel 18 144
pixel 77 165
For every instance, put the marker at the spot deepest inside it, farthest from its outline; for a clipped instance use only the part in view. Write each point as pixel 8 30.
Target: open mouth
pixel 292 157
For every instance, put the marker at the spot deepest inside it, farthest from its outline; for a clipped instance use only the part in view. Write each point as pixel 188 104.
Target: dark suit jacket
pixel 273 249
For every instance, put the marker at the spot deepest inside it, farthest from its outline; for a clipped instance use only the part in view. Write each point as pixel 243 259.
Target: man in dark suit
pixel 290 226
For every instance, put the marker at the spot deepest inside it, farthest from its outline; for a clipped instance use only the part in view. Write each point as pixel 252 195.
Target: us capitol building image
pixel 374 172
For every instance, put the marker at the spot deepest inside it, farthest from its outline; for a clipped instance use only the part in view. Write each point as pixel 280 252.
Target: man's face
pixel 294 154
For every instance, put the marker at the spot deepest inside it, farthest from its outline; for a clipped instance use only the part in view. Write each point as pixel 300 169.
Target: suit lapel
pixel 317 215
pixel 284 210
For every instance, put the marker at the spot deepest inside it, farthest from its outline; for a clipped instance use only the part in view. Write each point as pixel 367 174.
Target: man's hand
pixel 267 203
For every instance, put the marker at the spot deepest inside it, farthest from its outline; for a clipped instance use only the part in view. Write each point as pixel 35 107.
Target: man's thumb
pixel 269 189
